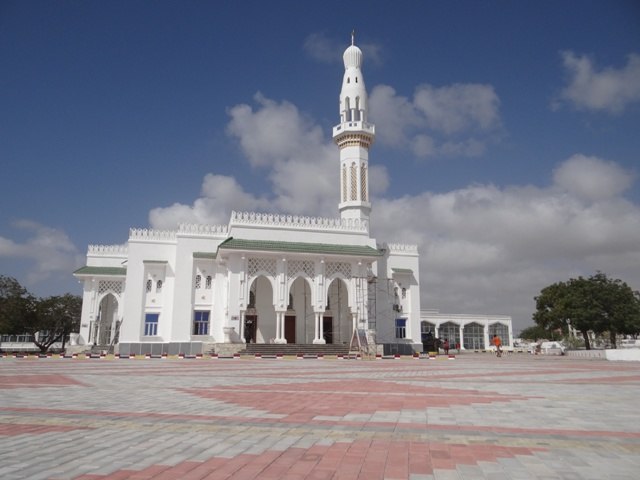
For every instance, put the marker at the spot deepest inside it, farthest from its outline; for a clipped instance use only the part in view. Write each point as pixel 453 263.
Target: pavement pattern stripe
pixel 476 418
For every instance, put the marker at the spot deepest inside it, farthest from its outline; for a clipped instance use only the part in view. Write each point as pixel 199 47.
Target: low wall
pixel 618 354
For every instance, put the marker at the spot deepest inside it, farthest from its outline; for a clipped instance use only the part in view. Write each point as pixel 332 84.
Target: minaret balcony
pixel 359 126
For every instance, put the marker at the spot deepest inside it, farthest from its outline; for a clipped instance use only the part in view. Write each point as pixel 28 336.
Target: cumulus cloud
pixel 454 120
pixel 299 160
pixel 49 252
pixel 484 248
pixel 609 89
pixel 590 178
pixel 490 249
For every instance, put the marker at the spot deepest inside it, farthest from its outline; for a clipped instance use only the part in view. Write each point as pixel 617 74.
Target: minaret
pixel 354 135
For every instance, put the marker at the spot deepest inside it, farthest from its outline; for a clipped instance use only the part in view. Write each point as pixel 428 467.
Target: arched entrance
pixel 449 331
pixel 260 317
pixel 299 320
pixel 473 334
pixel 106 325
pixel 337 320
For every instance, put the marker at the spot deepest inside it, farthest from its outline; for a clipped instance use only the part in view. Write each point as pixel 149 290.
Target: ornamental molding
pixel 299 222
pixel 354 140
pixel 195 229
pixel 108 250
pixel 401 248
pixel 151 234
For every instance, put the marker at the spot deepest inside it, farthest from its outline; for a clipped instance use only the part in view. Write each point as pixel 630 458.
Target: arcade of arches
pixel 470 336
pixel 300 323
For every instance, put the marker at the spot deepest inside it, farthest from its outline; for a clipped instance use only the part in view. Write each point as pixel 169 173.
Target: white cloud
pixel 299 160
pixel 454 120
pixel 610 90
pixel 486 249
pixel 458 107
pixel 50 253
pixel 590 178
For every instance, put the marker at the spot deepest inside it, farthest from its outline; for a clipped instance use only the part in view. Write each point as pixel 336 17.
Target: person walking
pixel 445 346
pixel 498 344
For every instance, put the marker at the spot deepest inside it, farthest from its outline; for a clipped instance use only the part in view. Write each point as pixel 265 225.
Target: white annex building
pixel 267 278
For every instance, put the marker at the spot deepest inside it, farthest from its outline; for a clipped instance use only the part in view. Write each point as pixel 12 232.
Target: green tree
pixel 598 304
pixel 537 332
pixel 15 303
pixel 619 307
pixel 52 319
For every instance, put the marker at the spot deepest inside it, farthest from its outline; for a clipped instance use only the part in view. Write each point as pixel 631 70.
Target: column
pixel 280 328
pixel 486 337
pixel 461 338
pixel 319 330
pixel 241 326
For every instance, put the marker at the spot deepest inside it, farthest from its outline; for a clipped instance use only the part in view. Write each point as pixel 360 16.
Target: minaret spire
pixel 353 36
pixel 354 135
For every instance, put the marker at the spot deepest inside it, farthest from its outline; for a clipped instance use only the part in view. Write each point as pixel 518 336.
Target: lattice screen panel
pixel 262 264
pixel 335 267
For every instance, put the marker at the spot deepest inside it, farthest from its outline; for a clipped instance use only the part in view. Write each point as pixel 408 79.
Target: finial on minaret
pixel 353 36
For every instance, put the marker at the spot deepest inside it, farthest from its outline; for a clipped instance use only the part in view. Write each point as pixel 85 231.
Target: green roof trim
pixel 206 255
pixel 156 261
pixel 402 270
pixel 299 247
pixel 111 271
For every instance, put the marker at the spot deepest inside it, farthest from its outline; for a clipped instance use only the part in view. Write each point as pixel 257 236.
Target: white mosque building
pixel 268 278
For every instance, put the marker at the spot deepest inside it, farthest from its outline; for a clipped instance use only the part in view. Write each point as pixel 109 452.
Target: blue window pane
pixel 151 324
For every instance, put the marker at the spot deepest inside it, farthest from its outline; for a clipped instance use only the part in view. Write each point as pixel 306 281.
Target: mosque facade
pixel 268 278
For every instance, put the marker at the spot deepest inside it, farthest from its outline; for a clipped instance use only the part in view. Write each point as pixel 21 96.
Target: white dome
pixel 352 57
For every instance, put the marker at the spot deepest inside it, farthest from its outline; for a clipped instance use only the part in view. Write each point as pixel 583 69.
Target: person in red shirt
pixel 498 344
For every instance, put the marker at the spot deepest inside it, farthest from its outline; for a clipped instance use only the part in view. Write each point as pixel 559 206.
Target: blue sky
pixel 507 132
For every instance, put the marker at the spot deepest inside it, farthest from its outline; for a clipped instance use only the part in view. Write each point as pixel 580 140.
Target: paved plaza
pixel 475 417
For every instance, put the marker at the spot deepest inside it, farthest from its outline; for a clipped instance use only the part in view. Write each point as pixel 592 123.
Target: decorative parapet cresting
pixel 151 234
pixel 299 222
pixel 108 250
pixel 402 248
pixel 203 230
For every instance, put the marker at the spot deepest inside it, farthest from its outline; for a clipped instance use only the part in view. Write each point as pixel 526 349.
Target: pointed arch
pixel 354 181
pixel 337 315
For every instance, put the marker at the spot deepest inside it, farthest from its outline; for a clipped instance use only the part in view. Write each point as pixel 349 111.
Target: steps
pixel 294 349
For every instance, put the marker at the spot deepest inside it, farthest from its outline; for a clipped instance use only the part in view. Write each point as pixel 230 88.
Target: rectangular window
pixel 401 327
pixel 200 323
pixel 151 324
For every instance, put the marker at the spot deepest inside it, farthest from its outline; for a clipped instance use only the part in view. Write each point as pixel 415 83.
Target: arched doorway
pixel 299 320
pixel 501 330
pixel 474 336
pixel 449 331
pixel 337 320
pixel 106 326
pixel 260 317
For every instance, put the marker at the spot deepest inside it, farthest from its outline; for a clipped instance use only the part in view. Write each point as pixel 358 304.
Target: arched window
pixel 347 110
pixel 500 330
pixel 404 292
pixel 449 331
pixel 474 336
pixel 354 182
pixel 344 183
pixel 198 282
pixel 363 183
pixel 207 284
pixel 159 286
pixel 357 112
pixel 149 285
